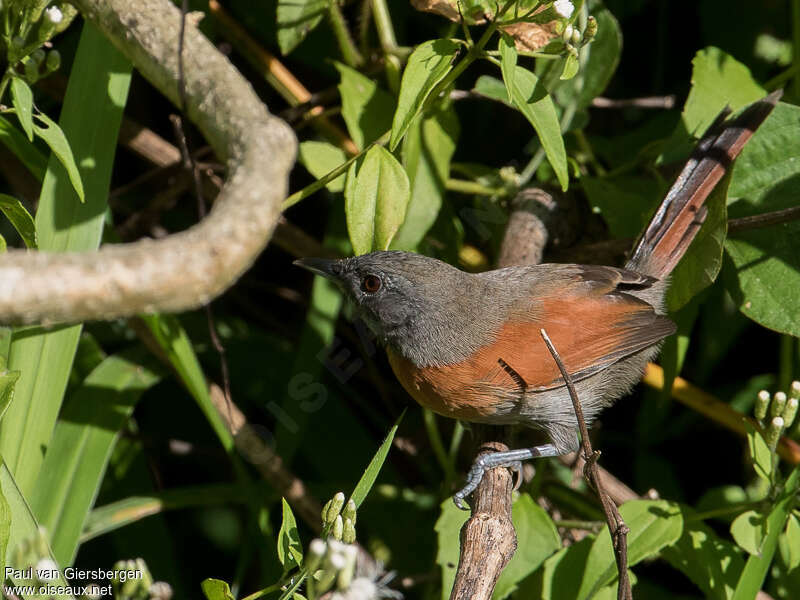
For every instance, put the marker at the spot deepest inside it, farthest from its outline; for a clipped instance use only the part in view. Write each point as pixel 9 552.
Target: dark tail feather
pixel 678 219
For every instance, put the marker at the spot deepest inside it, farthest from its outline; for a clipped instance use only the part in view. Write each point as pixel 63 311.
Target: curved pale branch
pixel 187 269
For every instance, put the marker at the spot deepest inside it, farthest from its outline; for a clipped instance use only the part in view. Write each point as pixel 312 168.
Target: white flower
pixel 564 8
pixel 54 14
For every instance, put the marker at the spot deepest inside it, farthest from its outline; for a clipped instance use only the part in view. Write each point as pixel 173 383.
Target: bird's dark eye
pixel 371 284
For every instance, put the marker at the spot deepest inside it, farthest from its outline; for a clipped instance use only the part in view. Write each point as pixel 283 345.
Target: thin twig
pixel 662 102
pixel 191 165
pixel 616 526
pixel 776 217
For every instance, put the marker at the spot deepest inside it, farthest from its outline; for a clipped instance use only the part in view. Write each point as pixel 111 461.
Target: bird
pixel 469 345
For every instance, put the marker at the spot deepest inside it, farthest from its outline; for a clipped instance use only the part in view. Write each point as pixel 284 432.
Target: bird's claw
pixel 475 476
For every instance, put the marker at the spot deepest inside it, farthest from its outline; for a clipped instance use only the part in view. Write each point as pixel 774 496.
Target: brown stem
pixel 616 526
pixel 776 217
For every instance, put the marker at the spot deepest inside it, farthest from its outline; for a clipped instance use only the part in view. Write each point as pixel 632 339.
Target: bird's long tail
pixel 681 213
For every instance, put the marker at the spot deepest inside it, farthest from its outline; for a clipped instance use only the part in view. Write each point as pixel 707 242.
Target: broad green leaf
pixel 492 88
pixel 216 589
pixel 8 380
pixel 376 205
pixel 718 81
pixel 22 98
pixel 653 525
pixel 533 101
pixel 537 539
pixel 427 149
pixel 296 19
pixel 712 563
pixel 749 530
pixel 756 568
pixel 790 543
pixel 767 260
pixel 90 117
pixel 426 67
pixel 23 532
pixel 3 245
pixel 81 445
pixel 701 264
pixel 508 58
pixel 320 158
pixel 448 527
pixel 290 549
pixel 54 137
pixel 759 453
pixel 13 139
pixel 366 109
pixel 367 480
pixel 601 58
pixel 20 218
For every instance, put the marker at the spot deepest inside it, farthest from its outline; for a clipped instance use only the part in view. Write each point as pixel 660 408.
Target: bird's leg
pixel 511 459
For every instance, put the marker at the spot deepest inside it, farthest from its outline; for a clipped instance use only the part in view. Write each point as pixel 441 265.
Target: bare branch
pixel 616 526
pixel 187 269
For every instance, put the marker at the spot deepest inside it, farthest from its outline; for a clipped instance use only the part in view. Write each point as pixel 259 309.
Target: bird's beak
pixel 326 267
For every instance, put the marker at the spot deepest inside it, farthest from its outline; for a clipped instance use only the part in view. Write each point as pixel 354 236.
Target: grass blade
pixel 24 528
pixel 367 480
pixel 91 114
pixel 81 446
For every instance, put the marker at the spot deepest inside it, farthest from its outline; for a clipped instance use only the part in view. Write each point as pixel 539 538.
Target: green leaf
pixel 749 531
pixel 216 589
pixel 24 532
pixel 766 178
pixel 700 266
pixel 366 109
pixel 600 60
pixel 759 453
pixel 296 19
pixel 426 67
pixel 571 66
pixel 81 445
pixel 508 58
pixel 376 204
pixel 448 525
pixel 290 550
pixel 54 137
pixel 20 218
pixel 367 480
pixel 90 117
pixel 5 529
pixel 537 539
pixel 654 524
pixel 756 568
pixel 8 380
pixel 320 158
pixel 3 245
pixel 492 88
pixel 427 150
pixel 712 563
pixel 22 97
pixel 790 543
pixel 535 103
pixel 13 139
pixel 718 80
